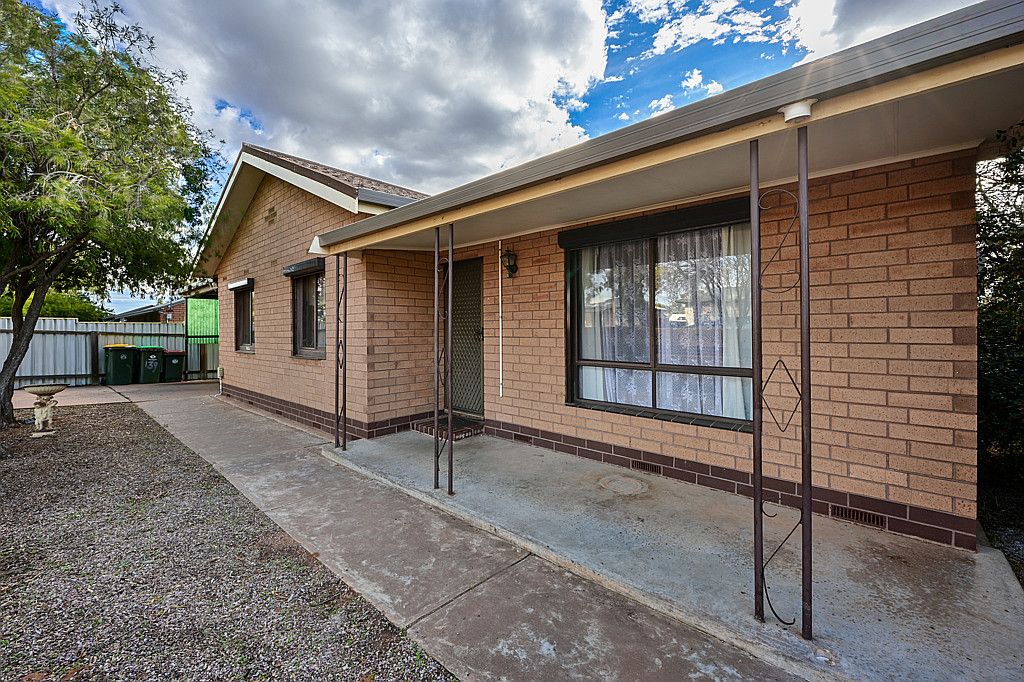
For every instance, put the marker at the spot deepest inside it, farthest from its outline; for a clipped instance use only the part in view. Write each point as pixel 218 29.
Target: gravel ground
pixel 125 556
pixel 1002 517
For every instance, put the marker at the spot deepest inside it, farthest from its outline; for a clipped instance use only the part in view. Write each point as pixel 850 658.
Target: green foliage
pixel 1001 313
pixel 98 154
pixel 61 304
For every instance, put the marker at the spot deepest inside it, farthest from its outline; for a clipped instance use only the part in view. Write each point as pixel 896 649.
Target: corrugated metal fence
pixel 68 351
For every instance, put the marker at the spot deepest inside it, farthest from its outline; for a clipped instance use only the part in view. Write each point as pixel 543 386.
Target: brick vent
pixel 646 467
pixel 856 516
pixel 319 419
pixel 940 527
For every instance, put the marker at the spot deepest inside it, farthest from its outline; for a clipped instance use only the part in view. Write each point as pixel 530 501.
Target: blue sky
pixel 431 94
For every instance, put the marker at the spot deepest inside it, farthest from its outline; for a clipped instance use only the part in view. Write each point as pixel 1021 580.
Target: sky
pixel 431 94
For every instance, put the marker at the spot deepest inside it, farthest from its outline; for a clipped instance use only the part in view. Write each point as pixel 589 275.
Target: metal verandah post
pixel 344 359
pixel 805 385
pixel 756 381
pixel 437 358
pixel 341 352
pixel 449 403
pixel 337 346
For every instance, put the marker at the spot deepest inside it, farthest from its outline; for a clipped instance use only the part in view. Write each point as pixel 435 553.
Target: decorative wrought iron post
pixel 803 389
pixel 337 348
pixel 756 386
pixel 805 383
pixel 341 352
pixel 449 384
pixel 437 357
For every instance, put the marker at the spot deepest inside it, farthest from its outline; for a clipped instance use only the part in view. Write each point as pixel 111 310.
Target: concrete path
pixel 76 395
pixel 484 607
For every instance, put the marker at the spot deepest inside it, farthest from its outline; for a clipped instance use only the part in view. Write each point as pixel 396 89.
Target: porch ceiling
pixel 933 120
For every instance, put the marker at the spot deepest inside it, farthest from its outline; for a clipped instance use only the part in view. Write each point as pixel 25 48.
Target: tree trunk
pixel 23 326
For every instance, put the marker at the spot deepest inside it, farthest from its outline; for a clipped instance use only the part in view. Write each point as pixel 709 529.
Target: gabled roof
pixel 342 180
pixel 353 192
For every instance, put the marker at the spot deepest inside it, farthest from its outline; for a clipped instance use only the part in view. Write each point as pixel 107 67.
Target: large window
pixel 310 319
pixel 245 331
pixel 661 325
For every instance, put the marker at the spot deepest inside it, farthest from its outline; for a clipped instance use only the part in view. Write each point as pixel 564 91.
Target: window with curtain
pixel 662 324
pixel 310 317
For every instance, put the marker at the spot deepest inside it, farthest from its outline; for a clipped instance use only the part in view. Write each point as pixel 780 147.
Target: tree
pixel 60 304
pixel 1000 196
pixel 104 182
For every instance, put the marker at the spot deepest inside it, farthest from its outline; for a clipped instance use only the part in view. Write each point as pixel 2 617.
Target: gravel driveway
pixel 124 555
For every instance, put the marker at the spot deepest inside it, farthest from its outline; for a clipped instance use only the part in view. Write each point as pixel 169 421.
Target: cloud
pixel 817 27
pixel 714 20
pixel 623 116
pixel 693 80
pixel 425 93
pixel 661 106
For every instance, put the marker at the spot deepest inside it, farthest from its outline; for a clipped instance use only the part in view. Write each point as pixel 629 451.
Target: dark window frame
pixel 300 274
pixel 249 345
pixel 643 228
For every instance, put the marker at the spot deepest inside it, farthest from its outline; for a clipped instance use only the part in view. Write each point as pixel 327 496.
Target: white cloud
pixel 613 79
pixel 661 106
pixel 623 116
pixel 425 93
pixel 693 80
pixel 819 27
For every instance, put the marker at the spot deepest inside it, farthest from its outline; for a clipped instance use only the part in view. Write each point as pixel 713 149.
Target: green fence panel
pixel 203 320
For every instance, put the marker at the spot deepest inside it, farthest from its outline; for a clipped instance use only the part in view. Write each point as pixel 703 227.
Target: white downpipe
pixel 501 329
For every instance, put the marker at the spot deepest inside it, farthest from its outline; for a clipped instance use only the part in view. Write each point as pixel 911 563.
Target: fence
pixel 65 350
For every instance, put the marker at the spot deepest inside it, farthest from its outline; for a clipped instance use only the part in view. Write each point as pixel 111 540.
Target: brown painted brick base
pixel 319 419
pixel 931 525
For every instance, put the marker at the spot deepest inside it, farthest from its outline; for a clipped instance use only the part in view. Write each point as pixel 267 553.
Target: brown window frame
pixel 643 228
pixel 318 350
pixel 246 294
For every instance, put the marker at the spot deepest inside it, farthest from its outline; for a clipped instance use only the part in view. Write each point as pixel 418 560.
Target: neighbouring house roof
pixel 144 310
pixel 946 83
pixel 351 191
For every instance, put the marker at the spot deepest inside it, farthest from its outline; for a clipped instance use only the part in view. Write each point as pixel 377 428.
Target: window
pixel 245 330
pixel 660 325
pixel 309 316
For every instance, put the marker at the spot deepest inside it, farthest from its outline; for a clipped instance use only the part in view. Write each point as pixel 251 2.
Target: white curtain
pixel 615 324
pixel 703 306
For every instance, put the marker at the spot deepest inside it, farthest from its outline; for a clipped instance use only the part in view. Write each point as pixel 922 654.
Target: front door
pixel 468 337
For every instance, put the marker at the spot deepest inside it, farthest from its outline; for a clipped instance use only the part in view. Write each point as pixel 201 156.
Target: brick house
pixel 556 340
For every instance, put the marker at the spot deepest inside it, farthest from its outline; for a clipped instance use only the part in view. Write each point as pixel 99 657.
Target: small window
pixel 309 316
pixel 245 330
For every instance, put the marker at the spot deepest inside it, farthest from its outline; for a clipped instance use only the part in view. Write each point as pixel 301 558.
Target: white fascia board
pixel 312 186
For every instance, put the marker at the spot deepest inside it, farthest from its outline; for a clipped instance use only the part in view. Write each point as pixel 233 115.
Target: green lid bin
pixel 119 363
pixel 151 364
pixel 174 365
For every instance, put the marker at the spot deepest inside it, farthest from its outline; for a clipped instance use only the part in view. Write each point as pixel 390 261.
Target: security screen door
pixel 468 337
